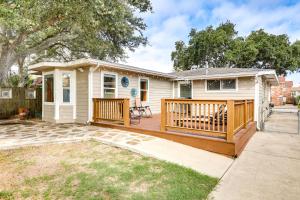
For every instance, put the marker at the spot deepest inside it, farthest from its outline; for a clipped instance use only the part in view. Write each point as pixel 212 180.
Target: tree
pixel 206 46
pixel 221 47
pixel 38 30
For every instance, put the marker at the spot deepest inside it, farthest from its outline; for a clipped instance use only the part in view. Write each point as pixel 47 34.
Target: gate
pixel 283 121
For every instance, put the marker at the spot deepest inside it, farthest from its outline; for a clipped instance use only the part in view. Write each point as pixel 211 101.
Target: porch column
pixel 57 92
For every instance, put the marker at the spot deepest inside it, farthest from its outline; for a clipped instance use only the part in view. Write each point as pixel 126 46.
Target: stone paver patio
pixel 27 133
pixel 22 133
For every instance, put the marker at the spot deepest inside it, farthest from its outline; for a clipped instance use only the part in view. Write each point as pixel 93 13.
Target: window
pixel 109 85
pixel 49 88
pixel 223 84
pixel 5 93
pixel 213 85
pixel 185 90
pixel 66 87
pixel 30 94
pixel 144 89
pixel 228 84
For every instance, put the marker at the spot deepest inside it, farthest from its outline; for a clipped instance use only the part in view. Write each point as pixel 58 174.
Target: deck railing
pixel 111 110
pixel 215 118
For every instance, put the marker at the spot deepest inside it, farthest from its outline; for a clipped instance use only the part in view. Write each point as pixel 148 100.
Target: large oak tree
pixel 38 30
pixel 221 47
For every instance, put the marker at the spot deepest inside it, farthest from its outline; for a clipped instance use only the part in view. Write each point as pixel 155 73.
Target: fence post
pixel 245 113
pixel 230 120
pixel 163 115
pixel 126 113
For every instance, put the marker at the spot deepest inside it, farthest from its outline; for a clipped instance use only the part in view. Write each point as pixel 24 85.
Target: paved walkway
pixel 269 167
pixel 38 133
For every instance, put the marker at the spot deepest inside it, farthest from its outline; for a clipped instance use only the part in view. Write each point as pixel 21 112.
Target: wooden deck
pixel 151 126
pixel 220 126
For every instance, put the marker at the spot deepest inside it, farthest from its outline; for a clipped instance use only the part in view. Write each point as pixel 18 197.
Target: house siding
pixel 264 98
pixel 246 90
pixel 158 88
pixel 49 111
pixel 66 114
pixel 82 96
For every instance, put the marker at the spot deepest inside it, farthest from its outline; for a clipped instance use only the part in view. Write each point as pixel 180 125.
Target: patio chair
pixel 220 116
pixel 135 115
pixel 23 113
pixel 144 110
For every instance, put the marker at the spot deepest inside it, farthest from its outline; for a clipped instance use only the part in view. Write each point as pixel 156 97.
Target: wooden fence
pixel 215 118
pixel 111 110
pixel 10 106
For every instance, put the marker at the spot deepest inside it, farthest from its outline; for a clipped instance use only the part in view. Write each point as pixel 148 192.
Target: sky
pixel 172 20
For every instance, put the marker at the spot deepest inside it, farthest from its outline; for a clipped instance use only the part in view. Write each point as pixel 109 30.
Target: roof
pixel 196 74
pixel 208 72
pixel 43 66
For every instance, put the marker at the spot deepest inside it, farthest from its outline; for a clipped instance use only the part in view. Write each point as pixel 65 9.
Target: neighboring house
pixel 296 90
pixel 69 87
pixel 282 94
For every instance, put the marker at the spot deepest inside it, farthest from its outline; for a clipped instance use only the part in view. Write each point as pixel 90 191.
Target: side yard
pixel 92 170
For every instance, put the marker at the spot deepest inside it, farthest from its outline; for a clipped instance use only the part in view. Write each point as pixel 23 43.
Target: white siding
pixel 48 113
pixel 82 96
pixel 246 88
pixel 264 98
pixel 97 84
pixel 65 114
pixel 158 88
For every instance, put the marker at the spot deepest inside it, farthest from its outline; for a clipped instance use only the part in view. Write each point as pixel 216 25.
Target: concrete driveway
pixel 28 133
pixel 269 167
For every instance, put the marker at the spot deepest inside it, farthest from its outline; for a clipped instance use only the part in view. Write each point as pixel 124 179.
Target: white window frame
pixel 5 90
pixel 183 83
pixel 103 73
pixel 70 87
pixel 30 90
pixel 54 93
pixel 222 90
pixel 148 88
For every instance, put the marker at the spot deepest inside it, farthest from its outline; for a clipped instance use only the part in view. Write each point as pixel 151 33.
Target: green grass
pixel 6 195
pixel 112 173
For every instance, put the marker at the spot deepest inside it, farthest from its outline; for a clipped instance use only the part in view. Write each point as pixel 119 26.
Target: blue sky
pixel 172 20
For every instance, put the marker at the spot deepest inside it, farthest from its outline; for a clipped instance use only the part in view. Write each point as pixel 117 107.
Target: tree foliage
pixel 69 29
pixel 221 47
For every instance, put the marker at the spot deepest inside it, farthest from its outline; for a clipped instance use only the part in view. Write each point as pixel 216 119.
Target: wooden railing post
pixel 126 113
pixel 230 120
pixel 245 113
pixel 163 115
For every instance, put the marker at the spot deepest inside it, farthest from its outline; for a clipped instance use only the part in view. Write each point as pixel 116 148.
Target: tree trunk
pixel 7 60
pixel 21 69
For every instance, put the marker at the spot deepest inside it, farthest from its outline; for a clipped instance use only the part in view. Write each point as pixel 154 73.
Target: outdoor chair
pixel 220 116
pixel 135 115
pixel 144 110
pixel 23 113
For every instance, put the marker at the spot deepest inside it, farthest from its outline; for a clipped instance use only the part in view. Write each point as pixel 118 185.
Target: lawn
pixel 91 170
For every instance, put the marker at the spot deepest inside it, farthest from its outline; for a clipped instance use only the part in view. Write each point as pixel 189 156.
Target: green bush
pixel 297 99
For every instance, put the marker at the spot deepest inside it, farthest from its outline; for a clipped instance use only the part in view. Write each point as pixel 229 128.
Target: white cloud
pixel 157 56
pixel 172 21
